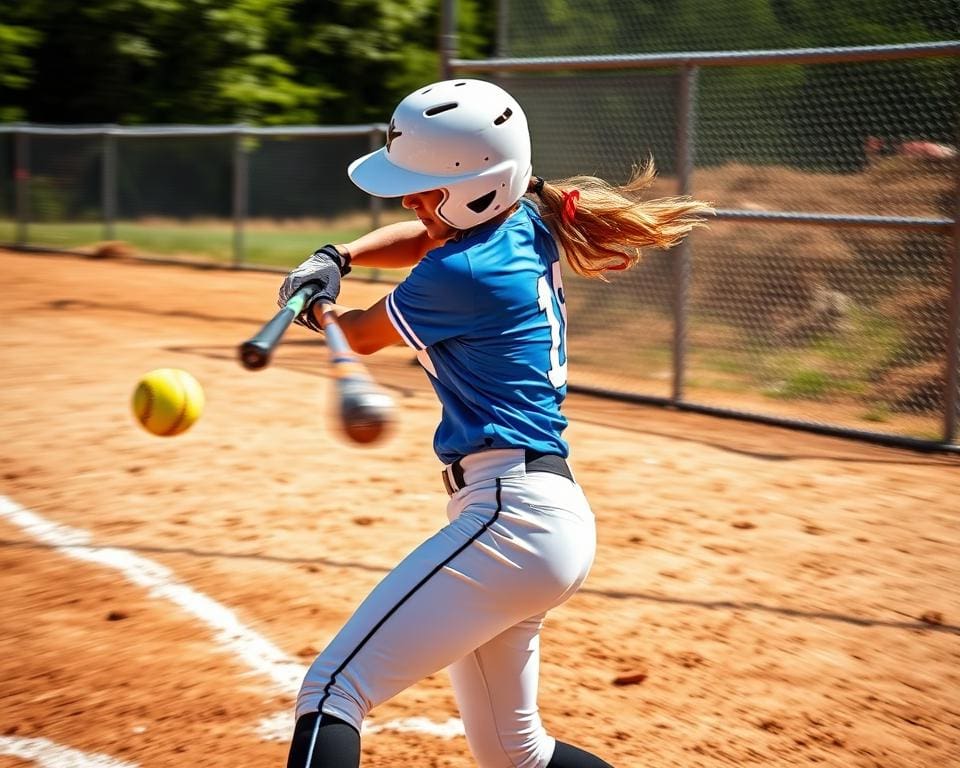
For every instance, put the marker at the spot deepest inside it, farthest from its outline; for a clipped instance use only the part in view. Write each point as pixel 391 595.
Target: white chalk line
pixel 48 754
pixel 245 644
pixel 253 649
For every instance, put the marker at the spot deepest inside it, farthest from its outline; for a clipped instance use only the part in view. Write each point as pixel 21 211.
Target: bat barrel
pixel 366 411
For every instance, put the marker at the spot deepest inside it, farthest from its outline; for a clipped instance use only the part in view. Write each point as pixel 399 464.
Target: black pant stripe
pixel 413 591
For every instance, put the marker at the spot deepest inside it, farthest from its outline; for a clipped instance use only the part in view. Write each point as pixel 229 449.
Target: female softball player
pixel 484 309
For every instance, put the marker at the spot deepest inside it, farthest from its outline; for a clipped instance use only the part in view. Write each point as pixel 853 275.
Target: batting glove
pixel 342 259
pixel 324 268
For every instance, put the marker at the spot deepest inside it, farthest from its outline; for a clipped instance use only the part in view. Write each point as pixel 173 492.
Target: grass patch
pixel 835 368
pixel 605 351
pixel 878 414
pixel 805 384
pixel 265 243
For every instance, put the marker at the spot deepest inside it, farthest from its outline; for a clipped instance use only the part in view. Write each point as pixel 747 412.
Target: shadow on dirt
pixel 711 605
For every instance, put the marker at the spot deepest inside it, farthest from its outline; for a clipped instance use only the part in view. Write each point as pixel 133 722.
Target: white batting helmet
pixel 466 137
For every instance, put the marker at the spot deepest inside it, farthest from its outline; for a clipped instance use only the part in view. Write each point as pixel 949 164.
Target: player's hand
pixel 324 269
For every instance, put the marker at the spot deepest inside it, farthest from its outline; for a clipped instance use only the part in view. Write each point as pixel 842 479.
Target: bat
pixel 363 410
pixel 255 352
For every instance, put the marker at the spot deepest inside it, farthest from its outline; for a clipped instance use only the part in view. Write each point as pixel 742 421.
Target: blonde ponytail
pixel 601 227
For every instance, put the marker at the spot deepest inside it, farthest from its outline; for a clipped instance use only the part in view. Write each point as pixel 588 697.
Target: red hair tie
pixel 570 205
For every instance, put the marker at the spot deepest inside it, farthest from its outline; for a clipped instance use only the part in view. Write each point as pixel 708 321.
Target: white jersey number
pixel 558 325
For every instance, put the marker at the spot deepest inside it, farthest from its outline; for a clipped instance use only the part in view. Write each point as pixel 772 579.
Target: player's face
pixel 425 205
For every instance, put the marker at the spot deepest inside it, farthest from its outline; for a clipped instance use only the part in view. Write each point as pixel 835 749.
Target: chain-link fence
pixel 825 294
pixel 219 194
pixel 533 28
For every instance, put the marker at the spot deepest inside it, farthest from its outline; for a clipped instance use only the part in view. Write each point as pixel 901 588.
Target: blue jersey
pixel 487 317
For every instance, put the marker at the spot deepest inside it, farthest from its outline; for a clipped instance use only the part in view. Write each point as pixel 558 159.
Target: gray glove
pixel 324 268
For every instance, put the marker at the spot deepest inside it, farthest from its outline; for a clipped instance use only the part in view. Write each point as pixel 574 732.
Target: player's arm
pixel 398 245
pixel 434 302
pixel 394 246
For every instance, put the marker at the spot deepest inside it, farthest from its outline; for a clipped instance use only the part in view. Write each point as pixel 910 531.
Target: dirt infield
pixel 760 596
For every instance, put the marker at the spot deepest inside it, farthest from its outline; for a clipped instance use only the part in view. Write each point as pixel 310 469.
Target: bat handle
pixel 255 352
pixel 336 340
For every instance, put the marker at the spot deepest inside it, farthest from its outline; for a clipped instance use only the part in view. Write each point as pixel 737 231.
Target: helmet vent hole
pixel 425 91
pixel 457 85
pixel 504 117
pixel 441 108
pixel 482 203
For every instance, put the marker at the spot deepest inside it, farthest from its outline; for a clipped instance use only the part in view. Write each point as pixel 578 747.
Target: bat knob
pixel 253 356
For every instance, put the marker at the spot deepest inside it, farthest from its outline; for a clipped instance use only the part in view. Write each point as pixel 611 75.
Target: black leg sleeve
pixel 331 743
pixel 565 756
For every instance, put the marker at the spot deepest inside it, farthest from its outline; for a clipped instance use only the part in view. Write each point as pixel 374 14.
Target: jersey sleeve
pixel 435 302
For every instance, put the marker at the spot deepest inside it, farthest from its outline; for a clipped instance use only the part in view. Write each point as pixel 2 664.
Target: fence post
pixel 950 394
pixel 241 181
pixel 108 184
pixel 448 38
pixel 686 108
pixel 21 176
pixel 503 28
pixel 376 203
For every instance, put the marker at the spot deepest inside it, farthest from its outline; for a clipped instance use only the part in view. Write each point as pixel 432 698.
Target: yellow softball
pixel 167 401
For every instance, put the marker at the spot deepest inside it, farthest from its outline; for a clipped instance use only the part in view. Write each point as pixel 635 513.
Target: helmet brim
pixel 376 175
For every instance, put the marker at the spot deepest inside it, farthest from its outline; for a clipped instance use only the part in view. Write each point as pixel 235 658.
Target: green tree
pixel 16 65
pixel 132 61
pixel 217 61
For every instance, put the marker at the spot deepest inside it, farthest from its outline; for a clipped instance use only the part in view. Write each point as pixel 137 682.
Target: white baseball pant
pixel 472 598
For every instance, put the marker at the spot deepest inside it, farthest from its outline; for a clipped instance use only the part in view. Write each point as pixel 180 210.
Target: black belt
pixel 534 460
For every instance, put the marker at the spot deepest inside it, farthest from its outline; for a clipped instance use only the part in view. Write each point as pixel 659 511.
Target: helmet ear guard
pixel 475 201
pixel 467 137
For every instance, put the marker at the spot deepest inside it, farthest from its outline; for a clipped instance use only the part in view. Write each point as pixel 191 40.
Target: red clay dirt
pixel 760 596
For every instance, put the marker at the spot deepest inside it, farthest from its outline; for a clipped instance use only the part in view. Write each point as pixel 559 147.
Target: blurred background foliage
pixel 270 62
pixel 263 62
